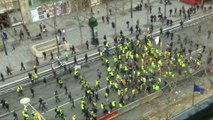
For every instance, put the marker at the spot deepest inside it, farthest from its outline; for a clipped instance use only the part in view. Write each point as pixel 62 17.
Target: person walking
pixel 15 116
pixel 103 19
pixel 199 28
pixel 72 102
pixel 65 89
pixel 66 57
pixel 22 66
pixel 87 44
pixel 7 106
pixel 2 77
pixel 127 23
pixel 99 73
pixel 107 19
pixel 63 32
pixel 45 81
pixel 44 106
pixel 20 90
pixel 32 91
pixel 41 28
pixel 69 96
pixel 131 30
pixel 209 34
pixel 21 34
pixel 75 60
pixel 73 49
pixel 57 97
pixel 8 71
pixel 60 82
pixel 86 57
pixel 12 46
pixel 37 62
pixel 40 101
pixel 35 69
pixel 170 12
pixel 51 56
pixel 44 55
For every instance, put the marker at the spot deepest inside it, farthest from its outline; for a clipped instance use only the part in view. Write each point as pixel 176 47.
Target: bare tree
pixel 78 4
pixel 116 17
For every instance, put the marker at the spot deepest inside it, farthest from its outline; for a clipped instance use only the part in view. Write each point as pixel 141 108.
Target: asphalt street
pixel 90 73
pixel 47 93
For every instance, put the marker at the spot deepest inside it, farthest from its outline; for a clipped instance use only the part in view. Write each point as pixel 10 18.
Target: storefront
pixel 95 2
pixel 10 14
pixel 44 9
pixel 27 11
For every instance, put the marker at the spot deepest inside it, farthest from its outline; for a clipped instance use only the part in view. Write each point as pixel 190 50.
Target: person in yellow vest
pixel 35 76
pixel 57 111
pixel 60 82
pixel 157 87
pixel 105 111
pixel 133 93
pixel 121 68
pixel 83 105
pixel 35 69
pixel 116 86
pixel 123 81
pixel 119 92
pixel 107 63
pixel 61 113
pixel 32 79
pixel 126 89
pixel 34 115
pixel 114 103
pixel 38 116
pixel 97 84
pixel 25 115
pixel 74 117
pixel 20 90
pixel 126 69
pixel 109 69
pixel 107 79
pixel 111 74
pixel 107 45
pixel 76 73
pixel 106 95
pixel 121 103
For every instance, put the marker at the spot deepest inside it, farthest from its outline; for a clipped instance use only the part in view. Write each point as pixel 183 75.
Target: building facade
pixel 27 11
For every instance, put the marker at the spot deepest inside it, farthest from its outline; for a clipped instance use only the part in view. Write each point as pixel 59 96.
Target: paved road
pixel 47 93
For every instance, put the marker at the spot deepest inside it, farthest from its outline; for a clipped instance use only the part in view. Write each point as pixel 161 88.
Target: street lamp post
pixel 131 12
pixel 79 22
pixel 107 8
pixel 55 25
pixel 165 8
pixel 147 12
pixel 115 18
pixel 123 5
pixel 94 33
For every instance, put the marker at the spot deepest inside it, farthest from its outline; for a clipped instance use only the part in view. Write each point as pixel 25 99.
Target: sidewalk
pixel 23 52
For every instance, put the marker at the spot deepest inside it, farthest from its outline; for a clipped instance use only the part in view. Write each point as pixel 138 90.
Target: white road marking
pixel 69 102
